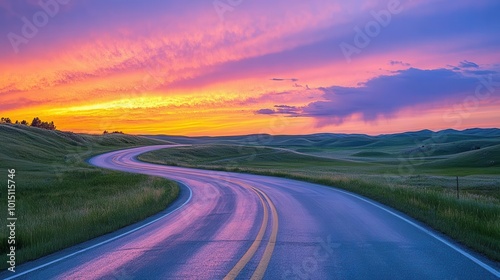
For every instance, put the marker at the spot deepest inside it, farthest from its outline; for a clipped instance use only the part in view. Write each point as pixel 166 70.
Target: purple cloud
pixel 398 62
pixel 468 64
pixel 384 96
pixel 281 79
pixel 265 112
pixel 280 110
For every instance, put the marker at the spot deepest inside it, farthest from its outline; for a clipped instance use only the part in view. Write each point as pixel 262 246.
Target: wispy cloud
pixel 281 79
pixel 280 110
pixel 468 64
pixel 398 62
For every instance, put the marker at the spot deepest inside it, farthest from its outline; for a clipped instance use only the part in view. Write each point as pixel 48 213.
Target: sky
pixel 233 67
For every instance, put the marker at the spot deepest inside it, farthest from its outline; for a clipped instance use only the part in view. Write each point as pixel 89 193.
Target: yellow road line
pixel 264 262
pixel 255 245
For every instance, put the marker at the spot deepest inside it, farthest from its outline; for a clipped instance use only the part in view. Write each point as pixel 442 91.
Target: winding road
pixel 230 225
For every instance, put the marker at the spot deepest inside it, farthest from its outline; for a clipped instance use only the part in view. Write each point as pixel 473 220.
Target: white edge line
pixel 464 253
pixel 103 242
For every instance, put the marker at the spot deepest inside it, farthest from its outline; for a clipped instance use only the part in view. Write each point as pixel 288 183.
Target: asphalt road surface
pixel 229 225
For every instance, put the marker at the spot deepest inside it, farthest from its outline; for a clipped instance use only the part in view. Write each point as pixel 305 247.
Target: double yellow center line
pixel 266 257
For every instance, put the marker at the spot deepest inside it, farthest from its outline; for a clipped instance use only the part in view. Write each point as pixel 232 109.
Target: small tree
pixel 51 126
pixel 36 122
pixel 45 125
pixel 5 120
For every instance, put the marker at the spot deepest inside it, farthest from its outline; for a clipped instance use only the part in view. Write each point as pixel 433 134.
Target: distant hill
pixel 333 140
pixel 448 148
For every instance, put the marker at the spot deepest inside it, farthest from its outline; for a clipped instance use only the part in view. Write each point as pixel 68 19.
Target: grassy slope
pixel 482 158
pixel 473 220
pixel 58 194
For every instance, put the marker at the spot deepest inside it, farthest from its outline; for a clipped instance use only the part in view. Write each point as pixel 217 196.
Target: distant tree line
pixel 36 122
pixel 106 132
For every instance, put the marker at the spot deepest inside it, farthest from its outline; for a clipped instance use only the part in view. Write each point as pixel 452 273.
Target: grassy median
pixel 61 200
pixel 473 219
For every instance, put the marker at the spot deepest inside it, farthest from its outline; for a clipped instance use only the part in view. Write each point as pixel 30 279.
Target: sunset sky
pixel 229 67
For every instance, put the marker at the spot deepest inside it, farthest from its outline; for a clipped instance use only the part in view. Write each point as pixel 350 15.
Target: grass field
pixel 61 200
pixel 58 194
pixel 418 186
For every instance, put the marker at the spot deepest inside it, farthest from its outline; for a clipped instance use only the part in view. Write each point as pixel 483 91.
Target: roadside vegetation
pixel 422 188
pixel 61 200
